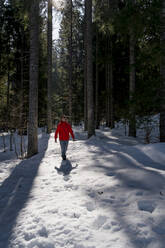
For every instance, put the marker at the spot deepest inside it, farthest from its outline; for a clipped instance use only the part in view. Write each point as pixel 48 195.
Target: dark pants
pixel 64 146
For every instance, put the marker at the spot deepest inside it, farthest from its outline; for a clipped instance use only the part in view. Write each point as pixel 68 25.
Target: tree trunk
pixel 49 51
pixel 21 123
pixel 8 100
pixel 85 77
pixel 97 85
pixel 132 120
pixel 85 97
pixel 109 85
pixel 109 72
pixel 90 90
pixel 111 90
pixel 70 65
pixel 107 76
pixel 33 79
pixel 162 72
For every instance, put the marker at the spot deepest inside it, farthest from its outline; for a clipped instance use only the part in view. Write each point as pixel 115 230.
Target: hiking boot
pixel 64 157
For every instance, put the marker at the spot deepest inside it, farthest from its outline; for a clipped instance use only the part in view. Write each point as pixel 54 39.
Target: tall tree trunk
pixel 109 84
pixel 107 78
pixel 70 64
pixel 85 98
pixel 97 84
pixel 111 90
pixel 21 124
pixel 109 72
pixel 85 76
pixel 8 98
pixel 162 72
pixel 49 51
pixel 33 79
pixel 132 120
pixel 90 90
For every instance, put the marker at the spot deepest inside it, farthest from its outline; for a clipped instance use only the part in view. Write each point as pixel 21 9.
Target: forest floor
pixel 110 193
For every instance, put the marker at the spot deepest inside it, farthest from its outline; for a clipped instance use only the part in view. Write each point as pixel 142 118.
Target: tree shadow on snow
pixel 133 170
pixel 110 146
pixel 15 192
pixel 65 167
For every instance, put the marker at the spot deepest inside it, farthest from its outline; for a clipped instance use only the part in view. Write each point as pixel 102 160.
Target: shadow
pixel 115 202
pixel 65 167
pixel 80 134
pixel 125 146
pixel 134 171
pixel 15 192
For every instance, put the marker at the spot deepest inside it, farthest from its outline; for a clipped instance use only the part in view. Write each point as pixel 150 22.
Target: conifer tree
pixel 33 79
pixel 49 54
pixel 89 66
pixel 162 71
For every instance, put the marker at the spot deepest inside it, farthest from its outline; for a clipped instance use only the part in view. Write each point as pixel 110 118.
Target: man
pixel 64 129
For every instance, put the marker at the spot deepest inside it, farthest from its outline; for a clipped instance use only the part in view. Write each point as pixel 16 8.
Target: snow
pixel 109 193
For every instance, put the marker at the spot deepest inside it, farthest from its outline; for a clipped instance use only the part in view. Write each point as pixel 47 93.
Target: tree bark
pixel 109 72
pixel 49 51
pixel 8 99
pixel 109 85
pixel 162 73
pixel 132 120
pixel 33 79
pixel 70 65
pixel 90 90
pixel 111 90
pixel 21 124
pixel 107 78
pixel 85 76
pixel 97 85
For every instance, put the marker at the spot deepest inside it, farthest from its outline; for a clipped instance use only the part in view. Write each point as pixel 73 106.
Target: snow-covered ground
pixel 109 194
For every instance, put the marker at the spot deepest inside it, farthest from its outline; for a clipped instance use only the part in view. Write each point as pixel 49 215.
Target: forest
pixel 82 123
pixel 107 65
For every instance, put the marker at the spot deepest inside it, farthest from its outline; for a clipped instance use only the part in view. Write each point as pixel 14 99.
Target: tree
pixel 70 56
pixel 132 121
pixel 85 73
pixel 49 84
pixel 162 71
pixel 89 61
pixel 70 62
pixel 97 84
pixel 33 79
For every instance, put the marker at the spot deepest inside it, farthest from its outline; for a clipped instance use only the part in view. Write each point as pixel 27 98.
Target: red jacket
pixel 64 129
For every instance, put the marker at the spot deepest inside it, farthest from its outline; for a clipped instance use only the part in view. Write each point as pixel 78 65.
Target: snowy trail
pixel 114 198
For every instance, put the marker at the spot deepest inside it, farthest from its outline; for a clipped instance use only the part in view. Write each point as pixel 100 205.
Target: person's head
pixel 63 118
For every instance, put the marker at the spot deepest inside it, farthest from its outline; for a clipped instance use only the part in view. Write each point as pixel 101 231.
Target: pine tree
pixel 33 81
pixel 89 61
pixel 132 121
pixel 49 52
pixel 162 71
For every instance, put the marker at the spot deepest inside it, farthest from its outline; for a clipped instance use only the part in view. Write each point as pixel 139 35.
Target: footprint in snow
pixel 43 243
pixel 159 227
pixel 100 221
pixel 43 232
pixel 112 225
pixel 71 187
pixel 148 206
pixel 29 236
pixel 116 229
pixel 110 174
pixel 90 206
pixel 139 193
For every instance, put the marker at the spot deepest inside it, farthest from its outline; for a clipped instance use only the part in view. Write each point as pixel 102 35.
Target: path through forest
pixel 112 195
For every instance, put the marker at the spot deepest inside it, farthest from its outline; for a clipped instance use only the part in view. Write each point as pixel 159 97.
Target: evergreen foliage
pixel 112 22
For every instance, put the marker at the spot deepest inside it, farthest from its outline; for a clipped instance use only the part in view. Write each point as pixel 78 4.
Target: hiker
pixel 64 129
